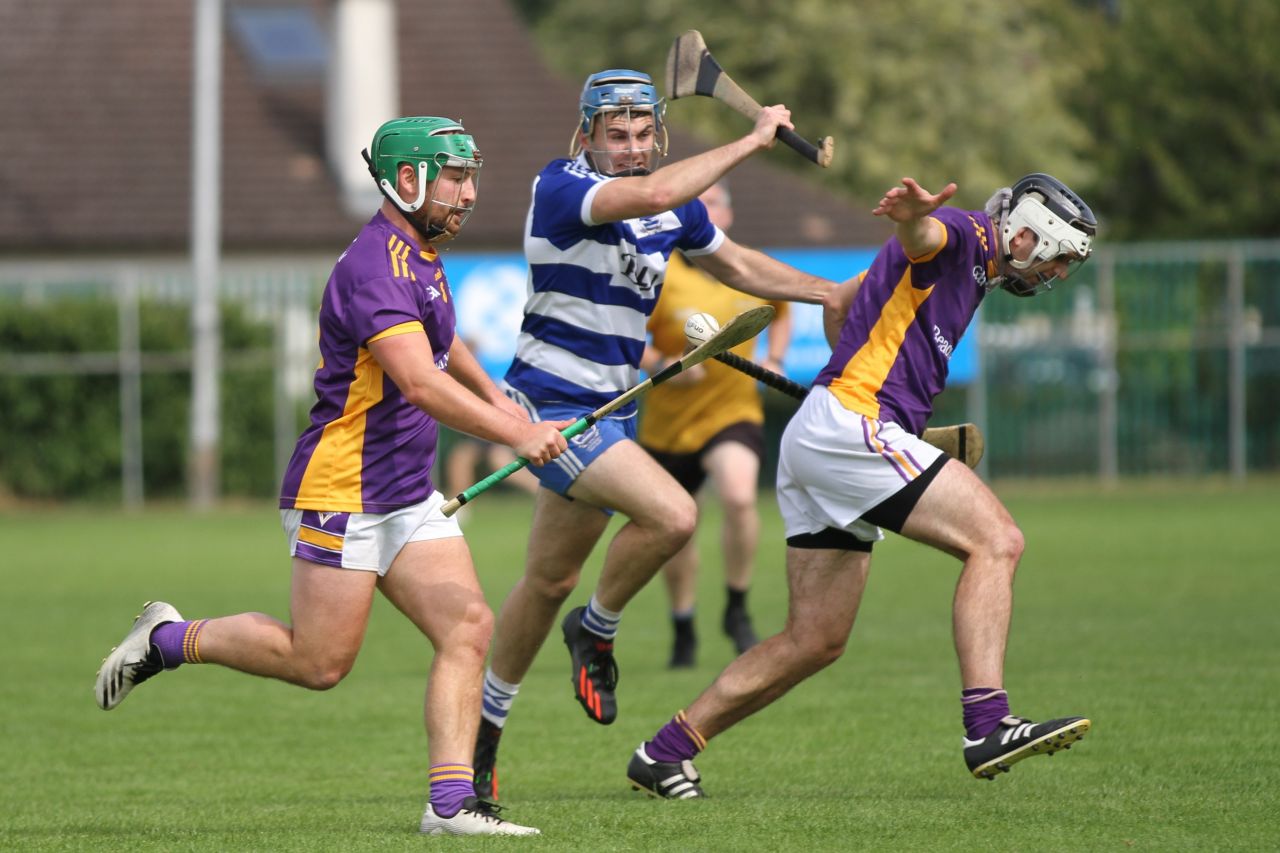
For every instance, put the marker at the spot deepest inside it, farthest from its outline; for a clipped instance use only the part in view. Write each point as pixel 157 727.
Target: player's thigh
pixel 627 479
pixel 825 587
pixel 434 583
pixel 329 610
pixel 561 537
pixel 958 513
pixel 735 470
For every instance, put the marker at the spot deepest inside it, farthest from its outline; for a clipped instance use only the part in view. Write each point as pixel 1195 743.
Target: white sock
pixel 498 696
pixel 601 622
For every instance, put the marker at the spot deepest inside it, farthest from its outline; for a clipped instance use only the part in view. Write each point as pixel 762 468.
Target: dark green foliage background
pixel 60 434
pixel 1163 114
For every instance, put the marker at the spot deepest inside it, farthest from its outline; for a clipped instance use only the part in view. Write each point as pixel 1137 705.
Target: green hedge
pixel 60 434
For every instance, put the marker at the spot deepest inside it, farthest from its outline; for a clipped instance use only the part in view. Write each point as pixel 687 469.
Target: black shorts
pixel 687 467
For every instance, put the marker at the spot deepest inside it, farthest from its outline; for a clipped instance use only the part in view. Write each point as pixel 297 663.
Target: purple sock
pixel 984 708
pixel 178 642
pixel 450 785
pixel 678 740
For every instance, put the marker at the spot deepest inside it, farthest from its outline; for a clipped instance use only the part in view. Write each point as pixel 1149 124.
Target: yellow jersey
pixel 682 417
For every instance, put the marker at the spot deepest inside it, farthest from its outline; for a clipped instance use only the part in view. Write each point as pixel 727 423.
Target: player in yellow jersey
pixel 710 424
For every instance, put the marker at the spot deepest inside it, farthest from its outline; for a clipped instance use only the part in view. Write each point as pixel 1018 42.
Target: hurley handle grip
pixel 469 494
pixel 820 153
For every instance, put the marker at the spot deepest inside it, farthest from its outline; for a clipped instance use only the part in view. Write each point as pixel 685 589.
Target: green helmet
pixel 430 142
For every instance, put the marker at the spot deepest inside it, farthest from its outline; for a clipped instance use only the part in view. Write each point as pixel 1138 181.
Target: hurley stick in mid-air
pixel 692 70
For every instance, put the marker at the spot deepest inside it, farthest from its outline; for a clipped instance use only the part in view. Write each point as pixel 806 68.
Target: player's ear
pixel 408 176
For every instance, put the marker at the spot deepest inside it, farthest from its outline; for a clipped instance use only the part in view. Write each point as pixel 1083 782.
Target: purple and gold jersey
pixel 367 448
pixel 896 342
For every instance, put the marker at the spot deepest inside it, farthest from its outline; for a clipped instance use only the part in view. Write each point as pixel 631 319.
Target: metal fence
pixel 282 292
pixel 1153 359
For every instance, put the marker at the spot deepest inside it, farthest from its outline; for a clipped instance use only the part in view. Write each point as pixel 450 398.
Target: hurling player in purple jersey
pixel 359 508
pixel 852 463
pixel 601 227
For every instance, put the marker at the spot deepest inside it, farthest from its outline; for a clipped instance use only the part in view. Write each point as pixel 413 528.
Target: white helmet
pixel 1063 224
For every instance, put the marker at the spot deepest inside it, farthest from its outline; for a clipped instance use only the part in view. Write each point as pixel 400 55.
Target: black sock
pixel 737 599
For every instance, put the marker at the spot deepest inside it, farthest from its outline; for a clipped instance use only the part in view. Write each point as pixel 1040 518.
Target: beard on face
pixel 434 226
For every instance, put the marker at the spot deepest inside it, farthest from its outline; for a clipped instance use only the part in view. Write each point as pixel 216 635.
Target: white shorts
pixel 835 465
pixel 364 540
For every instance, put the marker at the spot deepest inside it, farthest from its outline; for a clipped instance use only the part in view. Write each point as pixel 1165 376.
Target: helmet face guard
pixel 625 95
pixel 1063 225
pixel 432 144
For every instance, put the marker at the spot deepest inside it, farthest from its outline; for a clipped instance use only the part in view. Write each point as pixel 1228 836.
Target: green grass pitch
pixel 1153 609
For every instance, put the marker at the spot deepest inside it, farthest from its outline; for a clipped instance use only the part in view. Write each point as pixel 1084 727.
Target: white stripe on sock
pixel 498 698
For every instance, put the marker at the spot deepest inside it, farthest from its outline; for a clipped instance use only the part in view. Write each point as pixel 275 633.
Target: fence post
pixel 206 239
pixel 285 426
pixel 1237 435
pixel 130 366
pixel 1108 374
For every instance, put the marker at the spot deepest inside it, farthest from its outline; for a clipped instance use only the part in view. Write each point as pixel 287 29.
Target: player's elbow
pixel 416 393
pixel 657 198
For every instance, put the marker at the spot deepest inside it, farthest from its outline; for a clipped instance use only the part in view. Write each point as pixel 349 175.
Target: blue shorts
pixel 558 474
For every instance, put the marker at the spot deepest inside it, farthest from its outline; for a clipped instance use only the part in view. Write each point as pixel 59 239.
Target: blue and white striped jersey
pixel 592 287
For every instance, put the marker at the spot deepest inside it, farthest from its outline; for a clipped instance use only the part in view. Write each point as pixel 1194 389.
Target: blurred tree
pixel 1186 105
pixel 1165 114
pixel 969 91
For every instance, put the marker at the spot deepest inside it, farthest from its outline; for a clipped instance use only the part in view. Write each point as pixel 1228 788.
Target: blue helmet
pixel 616 90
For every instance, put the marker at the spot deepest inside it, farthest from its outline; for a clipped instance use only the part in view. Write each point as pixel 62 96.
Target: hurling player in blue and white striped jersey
pixel 601 227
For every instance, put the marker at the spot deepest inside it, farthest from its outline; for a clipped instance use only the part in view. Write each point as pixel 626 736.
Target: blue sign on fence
pixel 490 290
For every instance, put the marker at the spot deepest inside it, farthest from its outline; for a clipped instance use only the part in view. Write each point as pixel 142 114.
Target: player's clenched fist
pixel 541 442
pixel 768 122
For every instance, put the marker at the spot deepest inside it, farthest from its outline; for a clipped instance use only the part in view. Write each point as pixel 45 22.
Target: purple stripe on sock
pixel 671 744
pixel 167 639
pixel 450 785
pixel 984 708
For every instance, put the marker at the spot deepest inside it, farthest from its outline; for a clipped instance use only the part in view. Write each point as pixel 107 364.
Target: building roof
pixel 96 139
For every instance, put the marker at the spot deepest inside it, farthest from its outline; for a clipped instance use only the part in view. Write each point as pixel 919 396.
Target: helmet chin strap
pixel 1002 247
pixel 1006 252
pixel 434 233
pixel 1011 282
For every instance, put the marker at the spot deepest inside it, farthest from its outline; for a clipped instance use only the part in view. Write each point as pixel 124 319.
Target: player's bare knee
pixel 554 590
pixel 815 649
pixel 1003 544
pixel 680 521
pixel 738 505
pixel 473 633
pixel 1009 543
pixel 325 675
